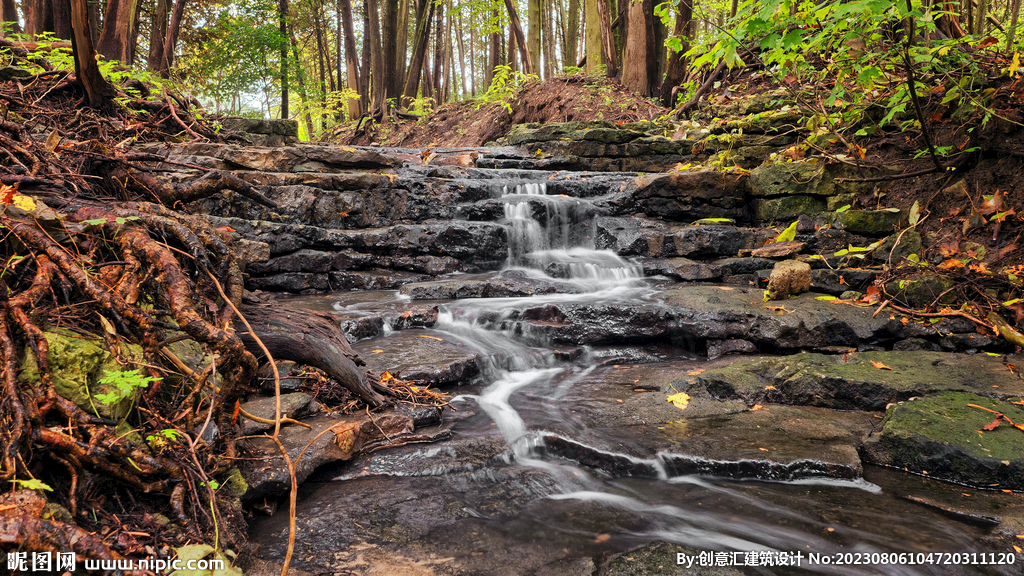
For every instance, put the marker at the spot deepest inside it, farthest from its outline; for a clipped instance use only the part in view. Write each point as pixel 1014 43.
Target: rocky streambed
pixel 621 391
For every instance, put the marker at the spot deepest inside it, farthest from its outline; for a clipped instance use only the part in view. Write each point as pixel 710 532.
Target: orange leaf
pixel 695 372
pixel 757 407
pixel 989 41
pixel 386 377
pixel 951 264
pixel 432 337
pixel 7 193
pixel 872 295
pixel 879 365
pixel 993 424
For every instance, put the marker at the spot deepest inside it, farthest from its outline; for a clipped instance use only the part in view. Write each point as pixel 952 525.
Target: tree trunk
pixel 639 64
pixel 495 57
pixel 462 53
pixel 171 40
pixel 282 21
pixel 351 60
pixel 594 52
pixel 306 337
pixel 1011 33
pixel 548 39
pixel 533 24
pixel 676 71
pixel 87 71
pixel 422 37
pixel 607 40
pixel 300 78
pixel 529 65
pixel 117 25
pixel 572 34
pixel 403 44
pixel 389 37
pixel 377 73
pixel 438 53
pixel 9 13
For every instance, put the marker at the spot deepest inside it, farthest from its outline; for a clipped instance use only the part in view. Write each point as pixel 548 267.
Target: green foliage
pixel 788 234
pixel 504 85
pixel 32 484
pixel 126 384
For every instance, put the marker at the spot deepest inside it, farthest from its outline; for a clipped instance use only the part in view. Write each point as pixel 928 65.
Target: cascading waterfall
pixel 562 246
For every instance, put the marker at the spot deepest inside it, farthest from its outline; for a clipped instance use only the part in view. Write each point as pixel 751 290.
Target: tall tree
pixel 640 62
pixel 572 33
pixel 594 52
pixel 389 36
pixel 115 38
pixel 371 42
pixel 534 9
pixel 351 57
pixel 157 33
pixel 529 64
pixel 676 71
pixel 608 48
pixel 98 91
pixel 425 12
pixel 171 39
pixel 9 13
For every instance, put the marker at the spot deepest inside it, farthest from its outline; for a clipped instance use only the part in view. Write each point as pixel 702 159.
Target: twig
pixel 170 107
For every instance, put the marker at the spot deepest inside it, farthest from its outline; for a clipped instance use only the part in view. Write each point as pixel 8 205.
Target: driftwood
pixel 309 338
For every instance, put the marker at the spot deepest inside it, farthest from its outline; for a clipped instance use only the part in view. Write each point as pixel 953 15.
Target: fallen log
pixel 309 338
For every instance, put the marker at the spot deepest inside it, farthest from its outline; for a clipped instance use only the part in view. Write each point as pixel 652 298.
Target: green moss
pixel 869 222
pixel 77 363
pixel 234 483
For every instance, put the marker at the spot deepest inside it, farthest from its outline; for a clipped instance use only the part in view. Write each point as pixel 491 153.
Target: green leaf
pixel 1011 302
pixel 95 222
pixel 826 298
pixel 842 252
pixel 843 209
pixel 32 484
pixel 788 234
pixel 893 210
pixel 915 214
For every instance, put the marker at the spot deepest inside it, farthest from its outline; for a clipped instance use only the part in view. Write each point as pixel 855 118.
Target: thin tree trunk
pixel 495 58
pixel 594 49
pixel 462 52
pixel 676 69
pixel 389 37
pixel 300 77
pixel 87 71
pixel 1012 32
pixel 547 39
pixel 472 59
pixel 438 53
pixel 422 37
pixel 171 39
pixel 282 20
pixel 402 44
pixel 607 40
pixel 351 61
pixel 529 65
pixel 533 24
pixel 9 13
pixel 377 94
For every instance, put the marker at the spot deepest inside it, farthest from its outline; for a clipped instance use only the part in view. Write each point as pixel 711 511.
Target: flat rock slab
pixel 501 286
pixel 852 382
pixel 329 439
pixel 293 405
pixel 423 356
pixel 626 426
pixel 718 313
pixel 942 436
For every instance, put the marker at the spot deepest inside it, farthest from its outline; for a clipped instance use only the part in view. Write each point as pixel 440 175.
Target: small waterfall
pixel 562 245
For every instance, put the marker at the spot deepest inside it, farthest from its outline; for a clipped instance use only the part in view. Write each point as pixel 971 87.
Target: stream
pixel 504 495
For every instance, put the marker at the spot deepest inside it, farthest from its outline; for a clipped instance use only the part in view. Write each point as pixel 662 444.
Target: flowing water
pixel 495 501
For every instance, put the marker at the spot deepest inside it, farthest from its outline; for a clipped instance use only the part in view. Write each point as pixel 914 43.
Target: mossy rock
pixel 607 135
pixel 942 436
pixel 786 178
pixel 869 222
pixel 898 247
pixel 921 291
pixel 786 208
pixel 837 201
pixel 77 364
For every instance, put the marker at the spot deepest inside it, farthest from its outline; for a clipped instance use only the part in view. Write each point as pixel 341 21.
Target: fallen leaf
pixel 770 387
pixel 696 372
pixel 681 400
pixel 951 264
pixel 756 407
pixel 386 377
pixel 992 425
pixel 988 41
pixel 879 365
pixel 376 351
pixel 724 288
pixel 763 449
pixel 432 337
pixel 7 193
pixel 603 537
pixel 872 295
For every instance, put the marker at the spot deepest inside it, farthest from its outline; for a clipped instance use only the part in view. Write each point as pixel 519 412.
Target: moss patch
pixel 940 435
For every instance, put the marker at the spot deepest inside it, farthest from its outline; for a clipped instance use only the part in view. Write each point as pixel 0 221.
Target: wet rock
pixel 748 265
pixel 939 435
pixel 423 356
pixel 632 237
pixel 690 270
pixel 869 222
pixel 714 241
pixel 689 196
pixel 786 178
pixel 838 282
pixel 768 210
pixel 974 342
pixel 501 286
pixel 852 382
pixel 788 278
pixel 779 249
pixel 291 282
pixel 375 279
pixel 288 373
pixel 266 473
pixel 922 290
pixel 911 344
pixel 717 348
pixel 897 247
pixel 294 405
pixel 248 252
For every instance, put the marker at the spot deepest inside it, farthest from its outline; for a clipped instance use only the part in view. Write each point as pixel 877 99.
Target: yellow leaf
pixel 763 449
pixel 107 326
pixel 348 149
pixel 788 234
pixel 769 387
pixel 376 351
pixel 386 377
pixel 757 407
pixel 24 202
pixel 1017 548
pixel 432 337
pixel 52 141
pixel 1014 65
pixel 879 365
pixel 681 400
